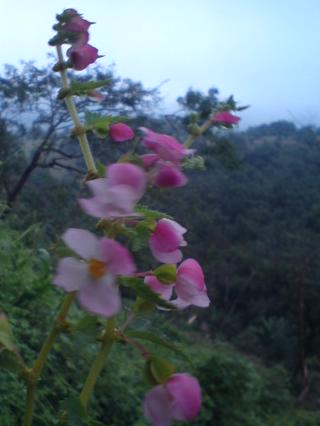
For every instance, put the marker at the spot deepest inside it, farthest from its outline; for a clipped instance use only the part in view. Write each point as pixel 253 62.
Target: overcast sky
pixel 265 52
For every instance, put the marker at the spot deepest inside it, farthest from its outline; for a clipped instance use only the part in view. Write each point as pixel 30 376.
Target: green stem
pixel 82 136
pixel 35 373
pixel 191 138
pixel 99 362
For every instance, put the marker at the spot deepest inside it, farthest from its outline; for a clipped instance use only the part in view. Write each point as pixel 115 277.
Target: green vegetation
pixel 254 221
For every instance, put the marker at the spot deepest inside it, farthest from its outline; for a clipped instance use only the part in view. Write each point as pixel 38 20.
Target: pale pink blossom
pixel 177 399
pixel 163 290
pixel 120 132
pixel 168 175
pixel 166 240
pixel 190 286
pixel 117 193
pixel 94 277
pixel 165 146
pixel 225 117
pixel 82 56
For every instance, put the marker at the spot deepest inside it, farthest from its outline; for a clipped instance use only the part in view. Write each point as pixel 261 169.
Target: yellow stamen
pixel 97 268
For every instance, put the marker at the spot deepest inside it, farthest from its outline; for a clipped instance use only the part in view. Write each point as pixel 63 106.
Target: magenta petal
pixel 120 132
pixel 83 56
pixel 186 393
pixel 149 160
pixel 127 174
pixel 101 297
pixel 167 235
pixel 72 274
pixel 165 291
pixel 225 117
pixel 157 406
pixel 191 271
pixel 118 258
pixel 169 176
pixel 165 146
pixel 81 242
pixel 76 24
pixel 99 187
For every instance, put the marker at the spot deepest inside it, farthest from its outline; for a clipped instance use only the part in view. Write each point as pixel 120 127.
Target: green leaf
pixel 78 88
pixel 101 168
pixel 10 361
pixel 151 214
pixel 143 290
pixel 158 370
pixel 166 274
pixel 6 335
pixel 100 124
pixel 150 337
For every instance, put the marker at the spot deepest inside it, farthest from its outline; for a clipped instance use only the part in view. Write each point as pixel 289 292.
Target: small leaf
pixel 100 124
pixel 151 214
pixel 79 88
pixel 166 274
pixel 150 337
pixel 143 290
pixel 101 169
pixel 158 370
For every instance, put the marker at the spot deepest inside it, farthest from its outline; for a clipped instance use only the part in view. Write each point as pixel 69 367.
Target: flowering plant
pixel 102 265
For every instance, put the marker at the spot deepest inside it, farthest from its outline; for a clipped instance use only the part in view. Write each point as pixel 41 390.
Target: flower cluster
pixel 165 162
pixel 188 283
pixel 93 274
pixel 73 29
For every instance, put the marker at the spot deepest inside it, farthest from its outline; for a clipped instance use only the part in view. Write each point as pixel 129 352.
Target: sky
pixel 264 52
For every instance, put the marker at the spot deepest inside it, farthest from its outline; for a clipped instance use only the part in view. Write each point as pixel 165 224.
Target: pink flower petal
pixel 120 132
pixel 72 274
pixel 118 258
pixel 127 174
pixel 190 285
pixel 174 256
pixel 77 24
pixel 157 406
pixel 101 297
pixel 186 393
pixel 169 176
pixel 83 56
pixel 82 242
pixel 165 146
pixel 167 235
pixel 149 160
pixel 165 291
pixel 225 117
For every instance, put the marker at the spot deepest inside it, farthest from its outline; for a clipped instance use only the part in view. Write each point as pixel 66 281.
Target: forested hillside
pixel 252 206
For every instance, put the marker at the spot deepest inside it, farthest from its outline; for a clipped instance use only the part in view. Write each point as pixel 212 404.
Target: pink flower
pixel 165 291
pixel 117 194
pixel 166 147
pixel 149 160
pixel 177 399
pixel 94 277
pixel 82 56
pixel 168 175
pixel 166 240
pixel 225 117
pixel 120 132
pixel 76 24
pixel 190 286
